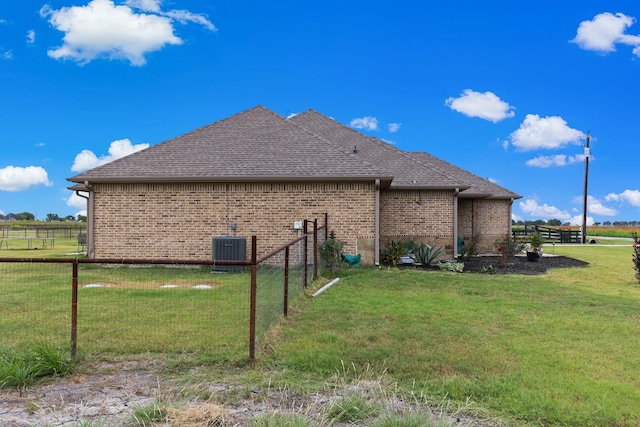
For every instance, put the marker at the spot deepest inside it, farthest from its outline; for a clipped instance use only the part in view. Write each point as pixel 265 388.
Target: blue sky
pixel 507 90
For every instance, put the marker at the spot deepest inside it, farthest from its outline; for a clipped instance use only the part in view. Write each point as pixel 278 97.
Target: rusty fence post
pixel 286 282
pixel 74 308
pixel 315 249
pixel 252 308
pixel 306 255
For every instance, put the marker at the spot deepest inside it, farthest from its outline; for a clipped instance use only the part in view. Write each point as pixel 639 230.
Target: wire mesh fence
pixel 118 307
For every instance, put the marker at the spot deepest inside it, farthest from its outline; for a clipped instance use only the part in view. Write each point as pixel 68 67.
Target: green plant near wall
pixel 472 248
pixel 424 254
pixel 330 252
pixel 508 246
pixel 392 252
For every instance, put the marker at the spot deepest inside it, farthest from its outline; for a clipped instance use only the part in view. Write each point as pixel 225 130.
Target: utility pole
pixel 586 183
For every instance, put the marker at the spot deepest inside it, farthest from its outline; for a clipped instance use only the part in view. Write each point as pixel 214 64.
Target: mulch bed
pixel 520 265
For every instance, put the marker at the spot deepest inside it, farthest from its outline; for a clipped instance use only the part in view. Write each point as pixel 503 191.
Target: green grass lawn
pixel 555 349
pixel 558 349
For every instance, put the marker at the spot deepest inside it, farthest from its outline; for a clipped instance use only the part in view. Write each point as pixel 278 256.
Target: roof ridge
pixel 385 145
pixel 332 144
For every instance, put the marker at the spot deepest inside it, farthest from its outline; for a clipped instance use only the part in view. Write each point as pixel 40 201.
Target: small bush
pixel 473 247
pixel 488 269
pixel 508 246
pixel 330 252
pixel 392 252
pixel 456 267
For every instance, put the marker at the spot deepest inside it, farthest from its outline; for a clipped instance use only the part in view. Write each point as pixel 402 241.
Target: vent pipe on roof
pixel 355 149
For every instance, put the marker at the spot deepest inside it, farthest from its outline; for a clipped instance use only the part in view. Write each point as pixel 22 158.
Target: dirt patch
pixel 109 394
pixel 519 264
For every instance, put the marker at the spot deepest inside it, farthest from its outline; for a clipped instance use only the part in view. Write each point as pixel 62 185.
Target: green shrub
pixel 456 267
pixel 508 246
pixel 392 252
pixel 424 254
pixel 330 252
pixel 472 248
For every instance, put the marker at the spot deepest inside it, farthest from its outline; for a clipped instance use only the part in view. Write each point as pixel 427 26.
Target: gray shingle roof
pixel 480 187
pixel 260 145
pixel 410 170
pixel 407 172
pixel 256 144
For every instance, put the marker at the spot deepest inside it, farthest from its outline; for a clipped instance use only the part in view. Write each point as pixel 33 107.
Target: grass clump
pixel 20 369
pixel 282 420
pixel 152 413
pixel 352 409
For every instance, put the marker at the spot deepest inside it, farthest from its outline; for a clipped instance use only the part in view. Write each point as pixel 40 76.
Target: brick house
pixel 259 173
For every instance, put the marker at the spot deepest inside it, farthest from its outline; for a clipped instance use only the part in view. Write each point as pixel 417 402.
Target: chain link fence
pixel 128 307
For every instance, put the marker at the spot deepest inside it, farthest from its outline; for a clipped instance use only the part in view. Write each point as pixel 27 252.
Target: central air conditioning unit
pixel 229 248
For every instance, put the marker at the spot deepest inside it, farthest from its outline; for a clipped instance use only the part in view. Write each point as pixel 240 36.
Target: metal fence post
pixel 286 282
pixel 315 249
pixel 306 249
pixel 74 308
pixel 252 309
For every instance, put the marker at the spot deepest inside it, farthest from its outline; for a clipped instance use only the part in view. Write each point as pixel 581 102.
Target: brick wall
pixel 180 220
pixel 493 221
pixel 425 216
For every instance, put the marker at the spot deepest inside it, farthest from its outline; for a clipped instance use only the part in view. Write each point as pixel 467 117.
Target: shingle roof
pixel 407 172
pixel 410 170
pixel 259 145
pixel 256 144
pixel 480 187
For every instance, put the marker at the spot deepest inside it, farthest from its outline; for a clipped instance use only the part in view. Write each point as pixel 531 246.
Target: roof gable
pixel 256 144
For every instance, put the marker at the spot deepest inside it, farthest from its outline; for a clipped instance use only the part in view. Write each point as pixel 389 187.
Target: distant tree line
pixel 28 216
pixel 557 222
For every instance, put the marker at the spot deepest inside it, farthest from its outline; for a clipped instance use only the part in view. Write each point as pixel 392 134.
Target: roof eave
pixel 430 187
pixel 385 180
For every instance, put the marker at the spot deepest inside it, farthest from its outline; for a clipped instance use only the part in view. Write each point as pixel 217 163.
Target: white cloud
pixel 31 36
pixel 120 148
pixel 184 16
pixel 77 202
pixel 13 178
pixel 485 105
pixel 394 127
pixel 7 55
pixel 103 29
pixel 595 206
pixel 604 31
pixel 368 123
pixel 577 220
pixel 532 208
pixel 557 160
pixel 146 5
pixel 627 196
pixel 549 132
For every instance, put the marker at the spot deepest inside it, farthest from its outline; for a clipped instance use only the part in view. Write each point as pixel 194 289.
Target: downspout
pixel 511 217
pixel 90 248
pixel 376 240
pixel 455 223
